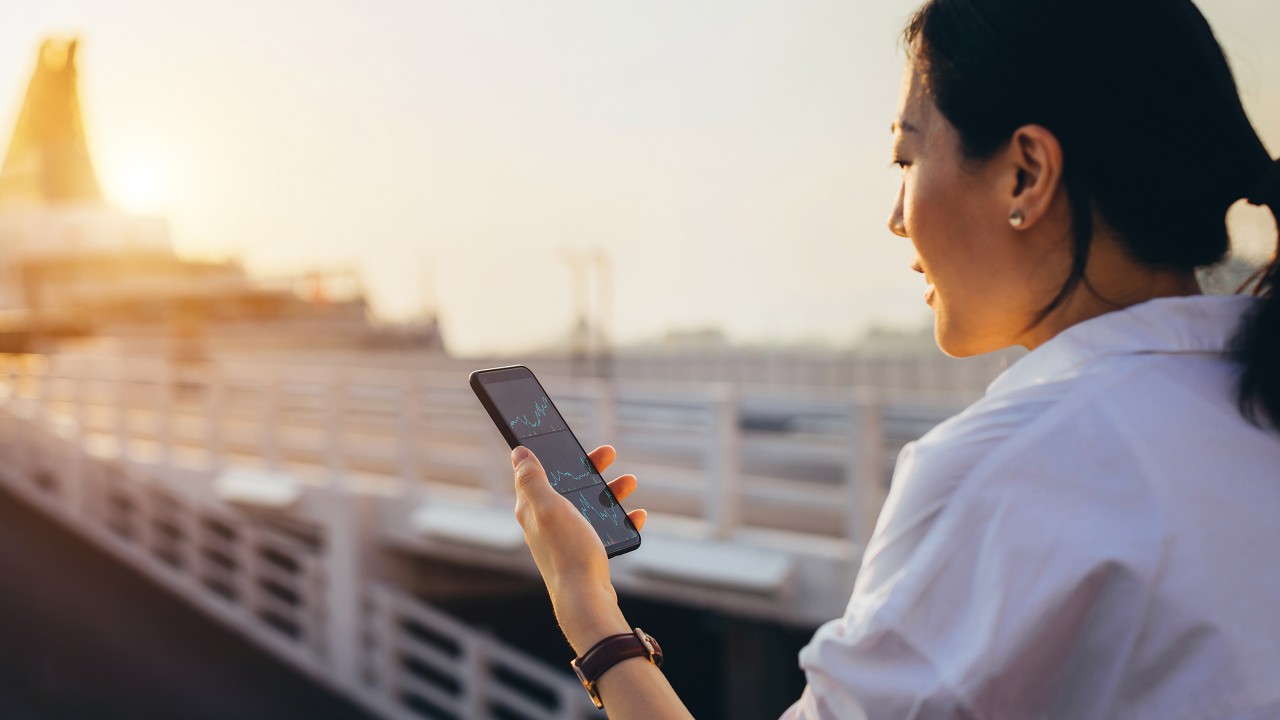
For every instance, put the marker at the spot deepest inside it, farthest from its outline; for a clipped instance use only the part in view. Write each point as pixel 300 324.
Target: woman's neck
pixel 1113 280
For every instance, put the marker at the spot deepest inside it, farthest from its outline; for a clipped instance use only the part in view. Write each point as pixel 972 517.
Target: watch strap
pixel 611 651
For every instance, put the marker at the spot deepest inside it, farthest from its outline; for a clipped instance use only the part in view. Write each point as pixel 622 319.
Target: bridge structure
pixel 284 499
pixel 352 515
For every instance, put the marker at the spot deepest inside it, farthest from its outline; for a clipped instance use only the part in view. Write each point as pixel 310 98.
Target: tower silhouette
pixel 48 159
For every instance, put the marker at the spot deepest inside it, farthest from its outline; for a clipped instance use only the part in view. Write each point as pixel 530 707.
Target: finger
pixel 531 479
pixel 602 457
pixel 622 486
pixel 638 517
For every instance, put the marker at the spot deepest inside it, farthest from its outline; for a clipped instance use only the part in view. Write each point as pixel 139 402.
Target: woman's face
pixel 986 279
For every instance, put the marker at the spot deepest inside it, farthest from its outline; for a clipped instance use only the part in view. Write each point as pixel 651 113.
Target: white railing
pixel 423 662
pixel 293 582
pixel 708 452
pixel 773 493
pixel 917 370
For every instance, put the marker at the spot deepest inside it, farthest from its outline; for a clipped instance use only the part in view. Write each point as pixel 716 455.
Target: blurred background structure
pixel 269 491
pixel 73 266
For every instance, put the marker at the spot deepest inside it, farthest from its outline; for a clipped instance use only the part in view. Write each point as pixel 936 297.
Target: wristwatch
pixel 611 651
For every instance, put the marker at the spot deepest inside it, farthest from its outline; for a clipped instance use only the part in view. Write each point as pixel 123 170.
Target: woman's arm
pixel 576 570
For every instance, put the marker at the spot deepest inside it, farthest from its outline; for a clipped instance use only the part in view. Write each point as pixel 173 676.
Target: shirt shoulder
pixel 931 470
pixel 973 591
pixel 1036 527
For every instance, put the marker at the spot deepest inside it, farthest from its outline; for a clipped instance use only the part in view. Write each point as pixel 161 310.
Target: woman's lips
pixel 928 291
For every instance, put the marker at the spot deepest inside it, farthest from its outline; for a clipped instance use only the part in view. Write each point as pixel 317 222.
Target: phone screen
pixel 525 414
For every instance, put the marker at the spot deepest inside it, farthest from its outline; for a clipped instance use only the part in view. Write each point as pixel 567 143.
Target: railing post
pixel 476 677
pixel 12 424
pixel 39 375
pixel 387 634
pixel 62 436
pixel 46 431
pixel 864 468
pixel 166 378
pixel 723 499
pixel 78 368
pixel 334 455
pixel 188 519
pixel 410 409
pixel 38 438
pixel 311 586
pixel 122 412
pixel 245 552
pixel 270 425
pixel 18 415
pixel 215 395
pixel 343 558
pixel 343 608
pixel 143 525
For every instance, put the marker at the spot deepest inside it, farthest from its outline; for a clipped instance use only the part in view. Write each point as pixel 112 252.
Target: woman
pixel 1092 538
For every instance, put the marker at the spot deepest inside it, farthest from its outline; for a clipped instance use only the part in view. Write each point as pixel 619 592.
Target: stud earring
pixel 1016 218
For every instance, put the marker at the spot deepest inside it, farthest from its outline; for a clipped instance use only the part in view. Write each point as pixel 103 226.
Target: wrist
pixel 588 614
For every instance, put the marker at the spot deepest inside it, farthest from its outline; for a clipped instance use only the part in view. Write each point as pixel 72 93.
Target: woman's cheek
pixel 922 196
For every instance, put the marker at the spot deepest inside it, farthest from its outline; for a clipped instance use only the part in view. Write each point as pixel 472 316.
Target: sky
pixel 730 157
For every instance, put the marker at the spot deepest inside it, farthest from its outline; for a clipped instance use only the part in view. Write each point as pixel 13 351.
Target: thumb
pixel 530 477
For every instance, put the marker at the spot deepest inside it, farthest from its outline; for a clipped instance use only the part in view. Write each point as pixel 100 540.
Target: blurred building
pixel 73 266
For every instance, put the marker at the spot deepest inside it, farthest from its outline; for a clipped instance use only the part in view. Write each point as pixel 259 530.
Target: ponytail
pixel 1257 345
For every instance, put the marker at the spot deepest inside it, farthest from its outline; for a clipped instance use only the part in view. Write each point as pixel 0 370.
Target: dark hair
pixel 1154 136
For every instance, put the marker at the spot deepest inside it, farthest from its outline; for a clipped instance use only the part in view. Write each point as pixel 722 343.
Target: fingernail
pixel 519 455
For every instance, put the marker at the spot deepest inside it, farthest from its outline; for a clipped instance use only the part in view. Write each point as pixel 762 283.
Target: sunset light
pixel 141 187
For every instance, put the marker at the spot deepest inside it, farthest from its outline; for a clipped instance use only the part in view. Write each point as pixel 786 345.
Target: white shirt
pixel 1098 537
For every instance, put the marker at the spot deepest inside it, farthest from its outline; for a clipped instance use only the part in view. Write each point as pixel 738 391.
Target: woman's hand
pixel 567 550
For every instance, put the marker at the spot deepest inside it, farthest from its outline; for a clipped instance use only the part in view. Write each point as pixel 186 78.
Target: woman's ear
pixel 1035 156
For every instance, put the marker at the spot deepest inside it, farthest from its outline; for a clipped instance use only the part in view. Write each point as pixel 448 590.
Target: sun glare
pixel 140 188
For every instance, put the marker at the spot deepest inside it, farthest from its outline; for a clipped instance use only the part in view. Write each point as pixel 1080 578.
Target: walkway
pixel 85 638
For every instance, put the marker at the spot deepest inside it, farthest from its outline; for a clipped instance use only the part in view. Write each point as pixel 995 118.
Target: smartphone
pixel 525 415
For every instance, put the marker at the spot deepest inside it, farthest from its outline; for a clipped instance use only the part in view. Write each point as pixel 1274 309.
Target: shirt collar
pixel 1192 324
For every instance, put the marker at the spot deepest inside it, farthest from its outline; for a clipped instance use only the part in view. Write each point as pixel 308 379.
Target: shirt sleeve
pixel 906 685
pixel 858 666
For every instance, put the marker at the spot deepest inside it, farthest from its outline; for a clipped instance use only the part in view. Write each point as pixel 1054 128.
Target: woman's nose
pixel 896 224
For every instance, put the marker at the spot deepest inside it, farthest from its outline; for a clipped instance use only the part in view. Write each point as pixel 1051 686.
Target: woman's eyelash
pixel 899 163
